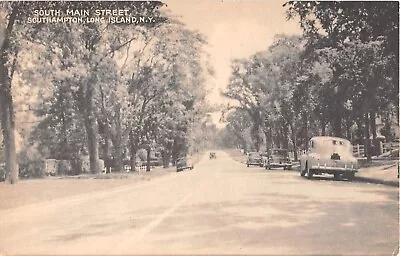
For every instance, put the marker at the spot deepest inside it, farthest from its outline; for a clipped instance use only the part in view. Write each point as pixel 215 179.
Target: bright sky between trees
pixel 234 29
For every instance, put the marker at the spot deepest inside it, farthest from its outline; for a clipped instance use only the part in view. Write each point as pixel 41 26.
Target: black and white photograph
pixel 199 127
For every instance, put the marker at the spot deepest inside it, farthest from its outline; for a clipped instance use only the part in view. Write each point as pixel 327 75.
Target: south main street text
pixel 79 12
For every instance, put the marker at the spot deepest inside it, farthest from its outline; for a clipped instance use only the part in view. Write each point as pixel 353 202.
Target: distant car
pixel 254 158
pixel 278 158
pixel 184 163
pixel 330 155
pixel 213 155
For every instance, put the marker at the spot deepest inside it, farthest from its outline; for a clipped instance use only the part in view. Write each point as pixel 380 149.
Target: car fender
pixel 313 159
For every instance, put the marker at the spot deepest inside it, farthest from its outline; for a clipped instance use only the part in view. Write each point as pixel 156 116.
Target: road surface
pixel 220 207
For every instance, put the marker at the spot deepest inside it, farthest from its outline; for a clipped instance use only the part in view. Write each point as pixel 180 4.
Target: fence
pixel 358 150
pixel 127 168
pixel 389 147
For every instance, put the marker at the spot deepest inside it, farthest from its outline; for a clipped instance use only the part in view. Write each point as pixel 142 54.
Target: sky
pixel 234 29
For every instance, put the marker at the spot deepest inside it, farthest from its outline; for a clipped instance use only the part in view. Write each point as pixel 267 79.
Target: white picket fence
pixel 389 147
pixel 358 150
pixel 127 168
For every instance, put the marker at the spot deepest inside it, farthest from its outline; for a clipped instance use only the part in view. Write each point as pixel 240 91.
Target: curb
pixel 390 183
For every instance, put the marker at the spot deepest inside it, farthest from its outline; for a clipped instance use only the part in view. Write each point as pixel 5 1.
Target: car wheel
pixel 248 165
pixel 309 172
pixel 284 168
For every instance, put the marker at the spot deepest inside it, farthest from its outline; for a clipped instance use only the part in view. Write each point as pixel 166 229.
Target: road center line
pixel 127 243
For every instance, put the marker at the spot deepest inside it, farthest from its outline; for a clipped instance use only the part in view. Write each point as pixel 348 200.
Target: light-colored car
pixel 278 158
pixel 254 158
pixel 184 163
pixel 330 155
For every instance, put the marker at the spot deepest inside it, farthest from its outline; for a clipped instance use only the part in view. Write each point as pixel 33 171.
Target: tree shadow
pixel 301 223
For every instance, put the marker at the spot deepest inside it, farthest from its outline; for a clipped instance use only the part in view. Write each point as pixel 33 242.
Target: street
pixel 219 207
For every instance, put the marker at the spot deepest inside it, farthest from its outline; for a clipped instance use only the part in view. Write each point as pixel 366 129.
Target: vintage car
pixel 277 158
pixel 254 158
pixel 183 163
pixel 213 155
pixel 330 155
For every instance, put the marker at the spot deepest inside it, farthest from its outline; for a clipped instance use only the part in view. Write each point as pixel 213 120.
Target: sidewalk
pixel 386 175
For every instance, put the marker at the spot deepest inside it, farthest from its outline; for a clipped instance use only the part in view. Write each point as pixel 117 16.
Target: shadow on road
pixel 357 179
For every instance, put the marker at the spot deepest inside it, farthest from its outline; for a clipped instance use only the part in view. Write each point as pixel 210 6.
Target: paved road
pixel 220 207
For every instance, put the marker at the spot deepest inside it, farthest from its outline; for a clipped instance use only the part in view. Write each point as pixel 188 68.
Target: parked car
pixel 330 155
pixel 184 163
pixel 213 155
pixel 254 158
pixel 277 158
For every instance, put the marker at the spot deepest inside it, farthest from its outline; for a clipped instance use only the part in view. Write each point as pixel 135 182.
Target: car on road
pixel 254 158
pixel 213 155
pixel 278 158
pixel 331 155
pixel 184 163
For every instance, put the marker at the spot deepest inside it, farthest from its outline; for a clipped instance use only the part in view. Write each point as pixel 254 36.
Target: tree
pixel 238 124
pixel 82 55
pixel 10 31
pixel 166 66
pixel 348 31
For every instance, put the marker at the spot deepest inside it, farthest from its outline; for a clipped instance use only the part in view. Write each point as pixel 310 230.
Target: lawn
pixel 33 191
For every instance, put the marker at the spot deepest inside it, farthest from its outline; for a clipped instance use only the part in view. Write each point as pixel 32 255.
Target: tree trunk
pixel 93 144
pixel 277 137
pixel 323 126
pixel 337 125
pixel 376 146
pixel 91 127
pixel 267 140
pixel 285 137
pixel 305 139
pixel 359 131
pixel 294 143
pixel 65 153
pixel 148 151
pixel 367 144
pixel 385 131
pixel 8 128
pixel 256 137
pixel 175 151
pixel 349 123
pixel 108 162
pixel 6 103
pixel 165 158
pixel 118 146
pixel 133 151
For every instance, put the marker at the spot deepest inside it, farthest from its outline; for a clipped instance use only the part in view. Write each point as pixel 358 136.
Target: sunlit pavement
pixel 220 207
